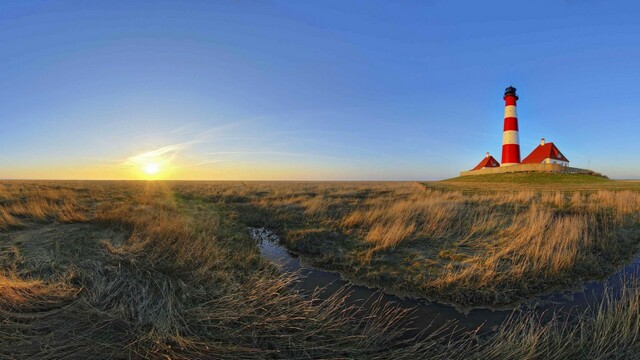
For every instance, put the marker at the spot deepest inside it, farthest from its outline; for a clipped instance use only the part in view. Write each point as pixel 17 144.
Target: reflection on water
pixel 430 315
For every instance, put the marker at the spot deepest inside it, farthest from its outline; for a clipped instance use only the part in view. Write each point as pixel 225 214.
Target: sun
pixel 151 168
pixel 152 165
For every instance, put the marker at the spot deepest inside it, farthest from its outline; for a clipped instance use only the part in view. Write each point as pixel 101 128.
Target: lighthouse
pixel 545 158
pixel 510 139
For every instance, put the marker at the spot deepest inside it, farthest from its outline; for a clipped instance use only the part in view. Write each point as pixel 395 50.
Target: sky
pixel 311 90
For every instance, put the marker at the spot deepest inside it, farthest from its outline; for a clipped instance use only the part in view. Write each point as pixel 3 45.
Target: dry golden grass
pixel 470 242
pixel 18 294
pixel 142 274
pixel 536 244
pixel 37 203
pixel 387 224
pixel 609 330
pixel 161 270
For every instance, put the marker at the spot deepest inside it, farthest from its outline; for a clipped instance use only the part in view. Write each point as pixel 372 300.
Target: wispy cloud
pixel 170 152
pixel 166 153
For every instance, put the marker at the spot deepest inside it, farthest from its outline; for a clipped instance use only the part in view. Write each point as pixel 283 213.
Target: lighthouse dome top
pixel 510 91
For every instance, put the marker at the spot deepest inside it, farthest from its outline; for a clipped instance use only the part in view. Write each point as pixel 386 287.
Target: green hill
pixel 530 178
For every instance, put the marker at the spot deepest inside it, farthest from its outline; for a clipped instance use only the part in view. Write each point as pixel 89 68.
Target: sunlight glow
pixel 155 164
pixel 151 168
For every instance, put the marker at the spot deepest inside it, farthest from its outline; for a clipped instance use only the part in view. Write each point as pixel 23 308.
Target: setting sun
pixel 151 168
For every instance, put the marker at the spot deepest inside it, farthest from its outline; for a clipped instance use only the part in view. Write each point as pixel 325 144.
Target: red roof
pixel 488 161
pixel 542 152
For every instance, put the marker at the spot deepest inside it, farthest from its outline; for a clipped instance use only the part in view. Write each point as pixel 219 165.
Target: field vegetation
pixel 446 241
pixel 168 270
pixel 128 270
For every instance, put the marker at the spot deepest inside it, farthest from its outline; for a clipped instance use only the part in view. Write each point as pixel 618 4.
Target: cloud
pixel 166 153
pixel 170 152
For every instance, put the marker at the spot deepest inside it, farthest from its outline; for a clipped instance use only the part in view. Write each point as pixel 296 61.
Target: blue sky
pixel 331 90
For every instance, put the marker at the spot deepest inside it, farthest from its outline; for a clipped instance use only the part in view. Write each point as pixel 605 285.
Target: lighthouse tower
pixel 510 139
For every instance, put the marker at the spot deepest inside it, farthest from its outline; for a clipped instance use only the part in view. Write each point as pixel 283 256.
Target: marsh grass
pixel 147 275
pixel 162 270
pixel 478 247
pixel 610 329
pixel 22 204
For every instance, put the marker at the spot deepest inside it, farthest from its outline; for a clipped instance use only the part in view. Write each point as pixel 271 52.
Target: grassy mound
pixel 531 178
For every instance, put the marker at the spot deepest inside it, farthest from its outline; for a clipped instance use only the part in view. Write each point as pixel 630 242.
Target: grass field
pixel 168 270
pixel 479 245
pixel 120 270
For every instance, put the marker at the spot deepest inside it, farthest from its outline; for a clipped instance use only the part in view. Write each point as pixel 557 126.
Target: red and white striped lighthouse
pixel 510 139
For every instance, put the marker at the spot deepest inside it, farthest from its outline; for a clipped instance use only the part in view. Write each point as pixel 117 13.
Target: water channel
pixel 429 316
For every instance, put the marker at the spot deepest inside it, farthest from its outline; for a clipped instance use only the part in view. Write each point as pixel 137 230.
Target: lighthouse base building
pixel 546 153
pixel 546 157
pixel 487 162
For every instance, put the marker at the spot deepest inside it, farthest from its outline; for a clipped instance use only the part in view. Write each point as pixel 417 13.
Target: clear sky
pixel 373 90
